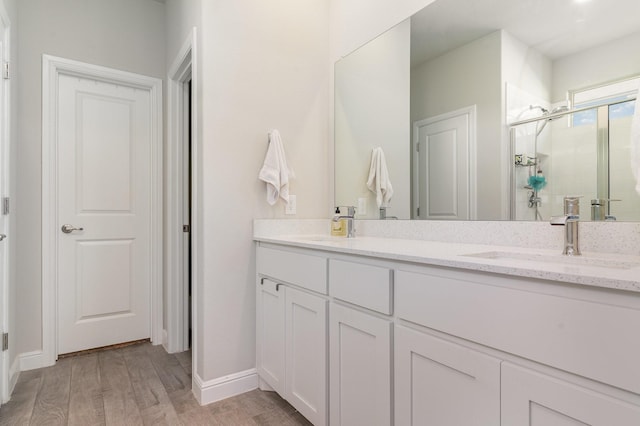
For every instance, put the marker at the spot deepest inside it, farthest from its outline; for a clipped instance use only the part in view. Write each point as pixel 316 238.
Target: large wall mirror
pixel 442 93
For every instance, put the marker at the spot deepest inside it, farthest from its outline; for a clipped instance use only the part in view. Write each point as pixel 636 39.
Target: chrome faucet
pixel 599 209
pixel 383 214
pixel 351 214
pixel 570 223
pixel 534 200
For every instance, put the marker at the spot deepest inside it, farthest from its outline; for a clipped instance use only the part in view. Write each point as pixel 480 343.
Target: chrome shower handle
pixel 67 229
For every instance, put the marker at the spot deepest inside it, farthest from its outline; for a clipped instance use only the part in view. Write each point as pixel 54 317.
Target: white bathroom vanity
pixel 389 331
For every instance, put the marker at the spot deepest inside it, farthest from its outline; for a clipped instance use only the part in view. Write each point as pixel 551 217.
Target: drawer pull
pixel 262 283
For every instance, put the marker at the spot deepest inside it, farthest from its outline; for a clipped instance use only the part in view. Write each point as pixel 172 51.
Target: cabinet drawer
pixel 364 285
pixel 595 340
pixel 299 269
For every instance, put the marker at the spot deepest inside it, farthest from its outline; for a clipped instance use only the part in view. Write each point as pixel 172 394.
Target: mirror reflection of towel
pixel 635 143
pixel 275 171
pixel 378 181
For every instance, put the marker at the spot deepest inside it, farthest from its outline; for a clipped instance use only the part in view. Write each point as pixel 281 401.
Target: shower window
pixel 610 93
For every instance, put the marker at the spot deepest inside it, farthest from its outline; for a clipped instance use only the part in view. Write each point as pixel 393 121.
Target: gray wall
pixel 122 34
pixel 263 66
pixel 372 110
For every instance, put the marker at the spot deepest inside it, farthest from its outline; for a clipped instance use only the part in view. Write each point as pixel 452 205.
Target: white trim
pixel 214 390
pixel 164 340
pixel 472 157
pixel 6 388
pixel 196 196
pixel 157 211
pixel 52 67
pixel 473 162
pixel 182 69
pixel 30 360
pixel 264 386
pixel 602 91
pixel 14 375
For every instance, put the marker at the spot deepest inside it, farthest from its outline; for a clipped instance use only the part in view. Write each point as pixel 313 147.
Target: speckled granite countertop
pixel 614 271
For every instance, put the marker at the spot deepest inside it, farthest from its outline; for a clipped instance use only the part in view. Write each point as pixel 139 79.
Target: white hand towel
pixel 378 181
pixel 635 144
pixel 275 171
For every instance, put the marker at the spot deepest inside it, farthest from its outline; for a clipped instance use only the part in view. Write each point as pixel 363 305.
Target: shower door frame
pixel 602 125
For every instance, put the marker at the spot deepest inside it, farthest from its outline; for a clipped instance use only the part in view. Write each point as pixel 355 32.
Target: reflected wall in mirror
pixel 372 110
pixel 439 91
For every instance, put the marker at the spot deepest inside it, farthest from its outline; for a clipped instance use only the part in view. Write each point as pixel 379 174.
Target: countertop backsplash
pixel 600 237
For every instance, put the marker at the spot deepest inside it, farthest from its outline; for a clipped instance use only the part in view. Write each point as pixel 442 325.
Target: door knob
pixel 2 237
pixel 67 229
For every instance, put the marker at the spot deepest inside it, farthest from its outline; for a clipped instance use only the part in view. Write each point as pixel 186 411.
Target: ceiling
pixel 556 28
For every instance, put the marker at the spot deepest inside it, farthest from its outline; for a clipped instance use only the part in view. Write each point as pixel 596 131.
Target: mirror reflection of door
pixel 442 174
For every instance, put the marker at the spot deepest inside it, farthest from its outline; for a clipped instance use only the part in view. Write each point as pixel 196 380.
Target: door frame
pixel 52 68
pixel 5 145
pixel 183 69
pixel 469 111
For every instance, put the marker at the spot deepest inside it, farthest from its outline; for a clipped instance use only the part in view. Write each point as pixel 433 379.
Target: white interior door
pixel 443 166
pixel 104 191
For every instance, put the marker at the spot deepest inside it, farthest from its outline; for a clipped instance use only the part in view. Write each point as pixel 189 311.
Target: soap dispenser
pixel 338 227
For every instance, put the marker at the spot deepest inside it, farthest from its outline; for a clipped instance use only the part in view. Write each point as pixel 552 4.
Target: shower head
pixel 544 110
pixel 556 110
pixel 561 108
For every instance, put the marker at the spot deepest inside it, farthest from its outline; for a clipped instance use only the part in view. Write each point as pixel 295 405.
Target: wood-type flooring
pixel 134 385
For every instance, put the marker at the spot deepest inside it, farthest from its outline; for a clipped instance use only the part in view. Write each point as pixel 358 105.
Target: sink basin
pixel 558 259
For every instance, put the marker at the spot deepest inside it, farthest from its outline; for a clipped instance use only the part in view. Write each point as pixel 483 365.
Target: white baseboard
pixel 165 340
pixel 214 390
pixel 14 374
pixel 32 360
pixel 264 386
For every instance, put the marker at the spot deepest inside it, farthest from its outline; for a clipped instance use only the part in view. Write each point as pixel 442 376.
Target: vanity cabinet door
pixel 533 399
pixel 270 326
pixel 441 383
pixel 360 368
pixel 306 354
